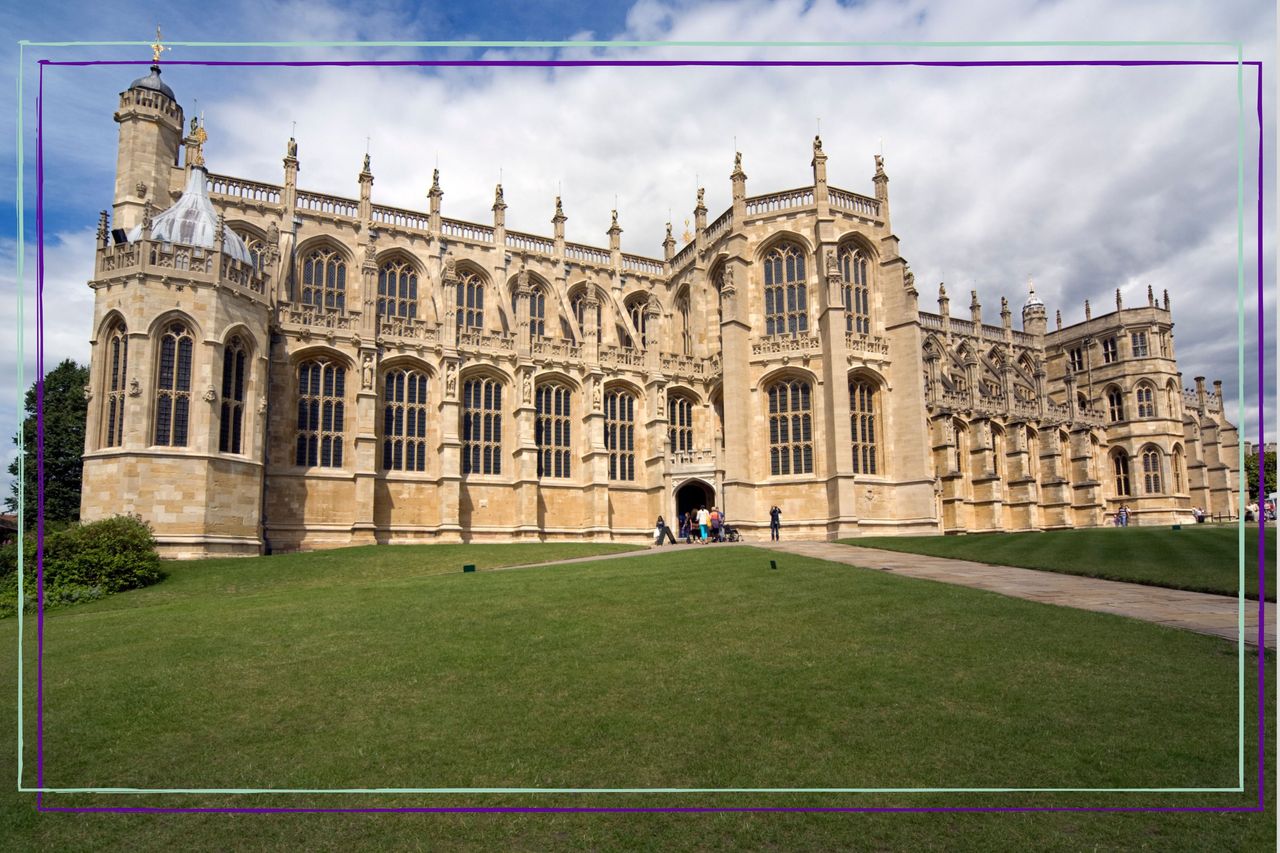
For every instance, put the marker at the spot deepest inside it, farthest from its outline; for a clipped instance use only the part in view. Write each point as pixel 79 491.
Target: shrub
pixel 83 562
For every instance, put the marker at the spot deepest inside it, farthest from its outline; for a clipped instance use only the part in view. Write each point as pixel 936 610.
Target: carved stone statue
pixel 135 388
pixel 210 394
pixel 293 147
pixel 701 193
pixel 833 264
pixel 528 388
pixel 597 395
pixel 726 279
pixel 273 234
pixel 366 372
pixel 262 406
pixel 451 380
pixel 879 163
pixel 88 392
pixel 140 189
pixel 366 162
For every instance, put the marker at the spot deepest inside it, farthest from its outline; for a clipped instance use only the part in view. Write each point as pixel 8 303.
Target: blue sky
pixel 1087 179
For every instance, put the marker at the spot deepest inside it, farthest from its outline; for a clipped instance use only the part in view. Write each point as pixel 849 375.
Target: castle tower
pixel 1035 317
pixel 150 120
pixel 178 365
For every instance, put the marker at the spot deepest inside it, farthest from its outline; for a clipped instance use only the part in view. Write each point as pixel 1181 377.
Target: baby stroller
pixel 730 534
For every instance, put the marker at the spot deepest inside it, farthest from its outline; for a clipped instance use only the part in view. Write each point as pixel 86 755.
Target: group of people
pixel 708 525
pixel 1122 516
pixel 1254 512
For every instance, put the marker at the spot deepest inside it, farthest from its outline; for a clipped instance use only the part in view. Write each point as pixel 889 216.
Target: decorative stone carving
pixel 262 405
pixel 88 392
pixel 273 234
pixel 597 396
pixel 366 372
pixel 528 388
pixel 210 394
pixel 451 380
pixel 140 189
pixel 135 388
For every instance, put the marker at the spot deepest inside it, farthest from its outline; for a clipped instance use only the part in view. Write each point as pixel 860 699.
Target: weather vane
pixel 158 48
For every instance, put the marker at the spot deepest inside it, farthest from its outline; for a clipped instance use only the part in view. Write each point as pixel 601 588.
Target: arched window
pixel 579 304
pixel 997 451
pixel 862 417
pixel 235 370
pixel 538 313
pixel 1115 404
pixel 680 423
pixel 1146 401
pixel 636 308
pixel 786 300
pixel 682 322
pixel 960 461
pixel 482 427
pixel 324 280
pixel 1151 483
pixel 397 290
pixel 404 421
pixel 173 386
pixel 471 302
pixel 551 430
pixel 790 428
pixel 1175 467
pixel 620 434
pixel 117 365
pixel 856 290
pixel 258 251
pixel 1120 464
pixel 322 394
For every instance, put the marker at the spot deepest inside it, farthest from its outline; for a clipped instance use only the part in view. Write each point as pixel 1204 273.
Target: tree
pixel 65 410
pixel 1269 471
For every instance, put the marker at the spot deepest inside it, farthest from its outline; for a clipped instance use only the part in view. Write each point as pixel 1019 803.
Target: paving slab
pixel 1204 613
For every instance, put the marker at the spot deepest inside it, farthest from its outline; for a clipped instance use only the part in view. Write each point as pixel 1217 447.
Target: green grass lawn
pixel 1203 558
pixel 388 667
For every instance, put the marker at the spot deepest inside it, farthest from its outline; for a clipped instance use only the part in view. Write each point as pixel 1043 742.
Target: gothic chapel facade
pixel 276 369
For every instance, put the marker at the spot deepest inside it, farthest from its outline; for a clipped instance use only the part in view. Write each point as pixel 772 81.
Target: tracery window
pixel 620 434
pixel 1110 352
pixel 786 300
pixel 404 421
pixel 680 423
pixel 862 417
pixel 1115 404
pixel 1146 401
pixel 636 308
pixel 1139 342
pixel 551 430
pixel 857 293
pixel 482 427
pixel 1151 471
pixel 537 311
pixel 1120 464
pixel 470 313
pixel 258 252
pixel 398 290
pixel 321 413
pixel 790 428
pixel 173 386
pixel 235 364
pixel 1077 359
pixel 113 384
pixel 324 280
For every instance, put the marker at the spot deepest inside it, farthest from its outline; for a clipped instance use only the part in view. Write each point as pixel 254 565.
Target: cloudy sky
pixel 1086 178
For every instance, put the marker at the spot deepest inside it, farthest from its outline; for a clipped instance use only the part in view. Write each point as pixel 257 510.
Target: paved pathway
pixel 1191 611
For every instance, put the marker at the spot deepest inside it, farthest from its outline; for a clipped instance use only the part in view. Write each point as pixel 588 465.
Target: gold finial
pixel 158 48
pixel 686 236
pixel 198 137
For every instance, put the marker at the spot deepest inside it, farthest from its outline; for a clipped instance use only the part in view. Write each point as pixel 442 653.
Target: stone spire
pixel 1151 297
pixel 1006 316
pixel 819 162
pixel 559 219
pixel 1166 300
pixel 975 310
pixel 615 233
pixel 1119 302
pixel 738 177
pixel 944 301
pixel 499 208
pixel 1088 314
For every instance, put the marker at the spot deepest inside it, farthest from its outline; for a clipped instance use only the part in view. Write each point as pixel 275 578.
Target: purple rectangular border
pixel 40 446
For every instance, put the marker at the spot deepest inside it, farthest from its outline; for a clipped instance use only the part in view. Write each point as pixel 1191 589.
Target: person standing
pixel 775 522
pixel 715 524
pixel 704 518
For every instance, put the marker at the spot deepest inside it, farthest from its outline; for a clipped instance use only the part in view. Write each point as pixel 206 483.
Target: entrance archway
pixel 692 495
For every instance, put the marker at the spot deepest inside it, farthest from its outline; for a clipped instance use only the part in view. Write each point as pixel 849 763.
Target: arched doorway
pixel 692 495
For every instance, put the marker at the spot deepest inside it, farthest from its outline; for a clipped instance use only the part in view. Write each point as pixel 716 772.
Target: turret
pixel 1034 316
pixel 150 120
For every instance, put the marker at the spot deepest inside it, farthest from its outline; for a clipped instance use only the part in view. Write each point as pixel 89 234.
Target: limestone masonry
pixel 279 369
